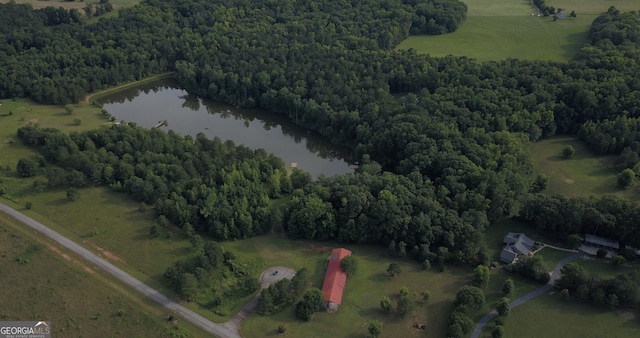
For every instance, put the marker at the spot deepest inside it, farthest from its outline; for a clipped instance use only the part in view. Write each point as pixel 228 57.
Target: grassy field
pixel 41 281
pixel 603 268
pixel 501 29
pixel 550 316
pixel 23 112
pixel 585 174
pixel 362 294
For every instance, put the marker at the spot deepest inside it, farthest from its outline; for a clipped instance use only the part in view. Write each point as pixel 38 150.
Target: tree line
pixel 220 189
pixel 607 216
pixel 442 142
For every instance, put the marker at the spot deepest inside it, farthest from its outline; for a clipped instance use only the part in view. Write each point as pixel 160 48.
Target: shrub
pixel 568 152
pixel 601 253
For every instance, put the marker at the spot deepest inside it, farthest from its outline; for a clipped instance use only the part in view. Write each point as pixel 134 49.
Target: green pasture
pixel 584 174
pixel 603 267
pixel 40 281
pixel 362 295
pixel 502 29
pixel 550 316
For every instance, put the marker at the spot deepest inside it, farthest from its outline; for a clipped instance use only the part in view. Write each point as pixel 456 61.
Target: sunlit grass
pixel 502 29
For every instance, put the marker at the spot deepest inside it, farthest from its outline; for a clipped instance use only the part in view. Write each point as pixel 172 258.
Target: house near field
pixel 516 245
pixel 335 280
pixel 601 242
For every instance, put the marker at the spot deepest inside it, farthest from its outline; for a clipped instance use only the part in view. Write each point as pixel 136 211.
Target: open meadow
pixel 41 281
pixel 361 301
pixel 584 174
pixel 502 29
pixel 550 316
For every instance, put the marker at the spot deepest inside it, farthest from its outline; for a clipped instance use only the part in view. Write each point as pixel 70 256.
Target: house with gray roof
pixel 515 245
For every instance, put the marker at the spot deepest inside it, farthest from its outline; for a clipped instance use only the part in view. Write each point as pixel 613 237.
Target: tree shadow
pixel 379 277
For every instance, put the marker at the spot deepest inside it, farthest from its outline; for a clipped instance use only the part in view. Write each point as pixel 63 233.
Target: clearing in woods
pixel 502 29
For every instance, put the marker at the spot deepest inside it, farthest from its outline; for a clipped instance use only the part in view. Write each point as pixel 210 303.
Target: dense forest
pixel 442 142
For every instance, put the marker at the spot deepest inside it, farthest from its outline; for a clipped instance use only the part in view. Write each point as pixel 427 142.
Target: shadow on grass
pixel 379 277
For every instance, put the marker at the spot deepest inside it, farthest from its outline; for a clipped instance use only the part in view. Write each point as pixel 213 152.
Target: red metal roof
pixel 335 279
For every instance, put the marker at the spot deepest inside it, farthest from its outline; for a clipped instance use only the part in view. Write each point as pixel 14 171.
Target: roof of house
pixel 335 279
pixel 519 242
pixel 516 244
pixel 508 256
pixel 607 242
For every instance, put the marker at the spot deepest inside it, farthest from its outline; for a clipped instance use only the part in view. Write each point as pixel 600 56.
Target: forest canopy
pixel 442 142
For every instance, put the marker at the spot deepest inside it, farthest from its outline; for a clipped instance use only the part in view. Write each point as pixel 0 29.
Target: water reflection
pixel 188 114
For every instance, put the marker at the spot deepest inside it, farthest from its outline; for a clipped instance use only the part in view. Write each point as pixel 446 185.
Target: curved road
pixel 554 275
pixel 226 330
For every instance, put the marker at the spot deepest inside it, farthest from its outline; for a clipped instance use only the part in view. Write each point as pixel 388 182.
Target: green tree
pixel 508 287
pixel 568 152
pixel 311 302
pixel 189 286
pixel 481 276
pixel 618 260
pixel 77 121
pixel 393 269
pixel 385 304
pixel 405 305
pixel 539 184
pixel 375 328
pixel 601 253
pixel 404 291
pixel 69 108
pixel 426 296
pixel 497 332
pixel 626 178
pixel 73 194
pixel 26 167
pixel 349 265
pixel 564 294
pixel 503 307
pixel 573 241
pixel 471 297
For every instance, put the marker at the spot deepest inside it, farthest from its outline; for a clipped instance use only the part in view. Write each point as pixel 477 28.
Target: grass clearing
pixel 603 267
pixel 41 281
pixel 550 316
pixel 585 174
pixel 362 294
pixel 502 29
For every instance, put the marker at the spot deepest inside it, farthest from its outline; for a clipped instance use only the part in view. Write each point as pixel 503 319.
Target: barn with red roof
pixel 335 279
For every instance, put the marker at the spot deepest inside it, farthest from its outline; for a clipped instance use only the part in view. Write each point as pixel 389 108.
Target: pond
pixel 186 114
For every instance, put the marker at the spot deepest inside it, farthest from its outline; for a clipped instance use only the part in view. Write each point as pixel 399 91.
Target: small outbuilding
pixel 335 280
pixel 601 242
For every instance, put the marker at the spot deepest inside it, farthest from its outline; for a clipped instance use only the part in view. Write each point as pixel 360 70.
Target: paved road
pixel 554 276
pixel 223 331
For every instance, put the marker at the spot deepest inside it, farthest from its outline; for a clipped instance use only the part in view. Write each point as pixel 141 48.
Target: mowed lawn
pixel 585 174
pixel 362 294
pixel 502 29
pixel 550 316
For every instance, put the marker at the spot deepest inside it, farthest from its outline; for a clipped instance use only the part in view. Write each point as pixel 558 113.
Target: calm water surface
pixel 150 103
